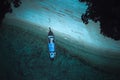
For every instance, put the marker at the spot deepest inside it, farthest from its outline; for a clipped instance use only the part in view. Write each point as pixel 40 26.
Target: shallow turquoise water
pixel 24 56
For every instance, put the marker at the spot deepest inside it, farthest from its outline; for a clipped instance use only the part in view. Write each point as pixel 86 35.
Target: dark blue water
pixel 24 56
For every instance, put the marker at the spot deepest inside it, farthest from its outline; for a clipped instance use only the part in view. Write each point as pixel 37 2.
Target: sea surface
pixel 24 56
